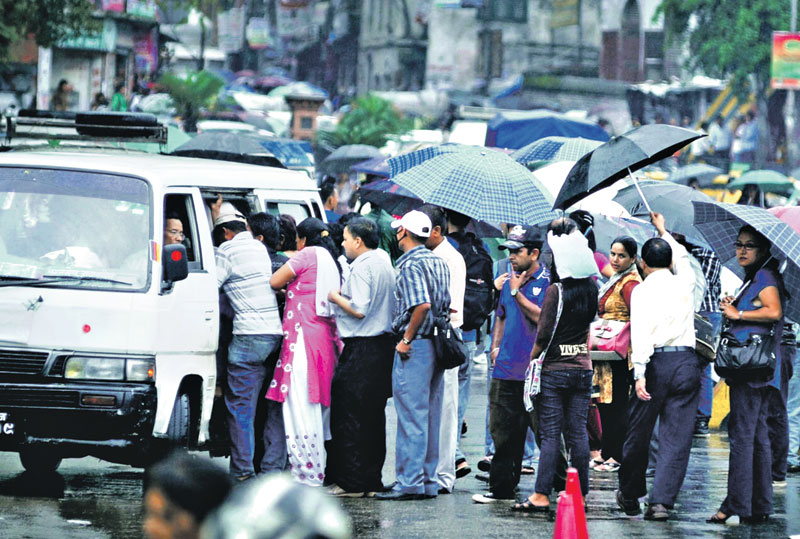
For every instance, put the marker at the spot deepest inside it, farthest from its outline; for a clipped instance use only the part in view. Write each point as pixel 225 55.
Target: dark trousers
pixel 563 406
pixel 778 418
pixel 673 381
pixel 360 387
pixel 614 415
pixel 750 460
pixel 508 423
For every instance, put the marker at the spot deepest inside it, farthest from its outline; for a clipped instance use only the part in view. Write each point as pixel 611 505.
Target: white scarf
pixel 572 255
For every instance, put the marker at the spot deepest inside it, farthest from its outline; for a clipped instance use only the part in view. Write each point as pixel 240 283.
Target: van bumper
pixel 76 415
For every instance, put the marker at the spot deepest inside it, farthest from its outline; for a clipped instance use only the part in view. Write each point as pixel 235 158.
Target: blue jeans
pixel 246 374
pixel 417 387
pixel 563 410
pixel 793 409
pixel 464 378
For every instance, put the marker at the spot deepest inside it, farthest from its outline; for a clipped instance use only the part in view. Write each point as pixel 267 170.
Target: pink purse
pixel 609 338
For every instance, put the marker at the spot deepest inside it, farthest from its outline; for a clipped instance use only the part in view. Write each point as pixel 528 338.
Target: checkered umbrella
pixel 555 149
pixel 720 224
pixel 485 185
pixel 403 162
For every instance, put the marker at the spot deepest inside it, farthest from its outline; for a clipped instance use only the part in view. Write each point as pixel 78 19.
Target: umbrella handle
pixel 639 189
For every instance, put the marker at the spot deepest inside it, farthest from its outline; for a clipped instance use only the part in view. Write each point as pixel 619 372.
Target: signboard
pixel 142 8
pixel 785 68
pixel 113 5
pixel 257 33
pixel 105 41
pixel 230 29
pixel 565 13
pixel 145 50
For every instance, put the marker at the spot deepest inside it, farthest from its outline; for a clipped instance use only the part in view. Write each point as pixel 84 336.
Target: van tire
pixel 39 460
pixel 180 421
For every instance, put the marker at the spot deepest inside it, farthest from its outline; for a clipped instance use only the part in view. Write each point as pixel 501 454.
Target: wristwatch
pixel 406 341
pixel 741 315
pixel 514 292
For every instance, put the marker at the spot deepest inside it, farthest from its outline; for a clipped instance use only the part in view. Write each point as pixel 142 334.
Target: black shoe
pixel 443 490
pixel 398 496
pixel 701 426
pixel 462 468
pixel 463 427
pixel 485 464
pixel 793 468
pixel 755 519
pixel 630 507
pixel 656 512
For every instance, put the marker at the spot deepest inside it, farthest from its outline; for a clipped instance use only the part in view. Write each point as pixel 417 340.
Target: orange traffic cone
pixel 570 516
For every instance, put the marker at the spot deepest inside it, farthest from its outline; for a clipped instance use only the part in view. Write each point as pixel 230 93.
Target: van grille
pixel 22 361
pixel 38 398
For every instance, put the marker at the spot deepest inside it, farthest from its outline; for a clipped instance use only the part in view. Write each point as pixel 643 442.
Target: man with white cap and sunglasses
pixel 243 273
pixel 422 290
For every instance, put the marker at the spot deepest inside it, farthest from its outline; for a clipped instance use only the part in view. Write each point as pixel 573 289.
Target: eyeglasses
pixel 174 232
pixel 745 246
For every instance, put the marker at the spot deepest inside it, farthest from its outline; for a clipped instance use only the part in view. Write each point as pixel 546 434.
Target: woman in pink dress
pixel 311 346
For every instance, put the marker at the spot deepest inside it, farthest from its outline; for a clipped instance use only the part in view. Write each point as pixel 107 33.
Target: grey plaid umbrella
pixel 720 224
pixel 485 185
pixel 555 149
pixel 403 162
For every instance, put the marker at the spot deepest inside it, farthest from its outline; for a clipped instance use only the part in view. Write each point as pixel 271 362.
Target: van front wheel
pixel 39 460
pixel 180 421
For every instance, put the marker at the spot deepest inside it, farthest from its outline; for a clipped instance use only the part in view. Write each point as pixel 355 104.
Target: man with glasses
pixel 173 229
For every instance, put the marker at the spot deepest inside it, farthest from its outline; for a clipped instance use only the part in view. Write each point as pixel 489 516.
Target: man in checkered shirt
pixel 422 288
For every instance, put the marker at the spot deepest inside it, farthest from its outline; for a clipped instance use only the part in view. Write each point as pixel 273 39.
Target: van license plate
pixel 7 427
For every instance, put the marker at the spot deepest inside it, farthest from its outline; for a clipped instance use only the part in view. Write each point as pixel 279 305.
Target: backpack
pixel 479 292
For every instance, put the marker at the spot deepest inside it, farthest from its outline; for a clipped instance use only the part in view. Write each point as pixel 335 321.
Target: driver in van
pixel 173 229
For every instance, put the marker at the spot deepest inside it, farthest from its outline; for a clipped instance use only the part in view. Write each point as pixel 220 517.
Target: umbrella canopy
pixel 614 159
pixel 669 199
pixel 769 181
pixel 342 158
pixel 703 173
pixel 485 185
pixel 720 224
pixel 555 149
pixel 405 161
pixel 377 166
pixel 607 229
pixel 788 214
pixel 298 88
pixel 228 147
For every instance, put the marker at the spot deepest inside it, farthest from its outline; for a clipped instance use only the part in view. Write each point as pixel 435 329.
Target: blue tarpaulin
pixel 514 130
pixel 292 153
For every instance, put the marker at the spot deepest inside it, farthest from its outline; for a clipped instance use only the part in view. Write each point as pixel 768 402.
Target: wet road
pixel 91 498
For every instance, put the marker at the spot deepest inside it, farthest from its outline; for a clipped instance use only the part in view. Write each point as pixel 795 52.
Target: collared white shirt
pixel 662 309
pixel 458 280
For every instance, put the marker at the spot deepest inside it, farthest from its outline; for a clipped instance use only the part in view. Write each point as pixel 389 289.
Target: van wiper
pixel 61 278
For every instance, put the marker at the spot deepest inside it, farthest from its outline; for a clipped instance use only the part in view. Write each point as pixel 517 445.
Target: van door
pixel 188 309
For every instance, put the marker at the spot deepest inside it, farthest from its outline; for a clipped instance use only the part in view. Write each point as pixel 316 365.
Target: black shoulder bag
pixel 752 359
pixel 447 344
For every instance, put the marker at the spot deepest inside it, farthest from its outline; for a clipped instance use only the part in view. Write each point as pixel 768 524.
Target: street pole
pixel 792 116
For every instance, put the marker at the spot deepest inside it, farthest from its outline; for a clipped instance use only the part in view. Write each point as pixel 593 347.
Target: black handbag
pixel 448 347
pixel 752 359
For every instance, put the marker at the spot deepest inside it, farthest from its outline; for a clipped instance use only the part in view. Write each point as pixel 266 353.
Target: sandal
pixel 716 519
pixel 608 466
pixel 594 463
pixel 528 507
pixel 527 470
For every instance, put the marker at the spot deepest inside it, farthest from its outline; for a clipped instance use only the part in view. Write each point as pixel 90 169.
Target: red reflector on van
pixel 176 255
pixel 98 400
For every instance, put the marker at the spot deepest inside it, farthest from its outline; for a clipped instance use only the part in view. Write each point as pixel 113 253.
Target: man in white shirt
pixel 666 371
pixel 449 428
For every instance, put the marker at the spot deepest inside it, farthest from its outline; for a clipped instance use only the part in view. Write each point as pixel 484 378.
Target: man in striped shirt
pixel 243 273
pixel 422 290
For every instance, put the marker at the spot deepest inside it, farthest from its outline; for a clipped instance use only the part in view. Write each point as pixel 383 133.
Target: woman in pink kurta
pixel 302 379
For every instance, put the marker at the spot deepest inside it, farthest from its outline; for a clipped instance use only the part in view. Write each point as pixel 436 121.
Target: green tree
pixel 191 93
pixel 370 121
pixel 730 39
pixel 48 20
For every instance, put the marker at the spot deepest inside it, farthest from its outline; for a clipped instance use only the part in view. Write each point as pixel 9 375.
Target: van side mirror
pixel 175 264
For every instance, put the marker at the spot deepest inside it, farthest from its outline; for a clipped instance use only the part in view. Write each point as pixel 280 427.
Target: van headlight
pixel 95 368
pixel 110 368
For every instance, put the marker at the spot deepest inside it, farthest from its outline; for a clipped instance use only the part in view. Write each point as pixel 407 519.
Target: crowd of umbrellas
pixel 493 187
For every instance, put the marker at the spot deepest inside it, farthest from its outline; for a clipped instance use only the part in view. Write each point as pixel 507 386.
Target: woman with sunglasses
pixel 757 309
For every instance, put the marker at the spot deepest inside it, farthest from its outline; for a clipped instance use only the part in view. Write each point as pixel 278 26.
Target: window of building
pixel 505 10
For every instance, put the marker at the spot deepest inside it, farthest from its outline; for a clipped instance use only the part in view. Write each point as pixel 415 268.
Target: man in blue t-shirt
pixel 512 340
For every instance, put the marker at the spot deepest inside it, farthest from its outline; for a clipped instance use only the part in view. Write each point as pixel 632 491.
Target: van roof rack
pixel 107 126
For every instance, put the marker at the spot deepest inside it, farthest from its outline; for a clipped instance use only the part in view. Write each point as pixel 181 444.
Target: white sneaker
pixel 487 498
pixel 480 359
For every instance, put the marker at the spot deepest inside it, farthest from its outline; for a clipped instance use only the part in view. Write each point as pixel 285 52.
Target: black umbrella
pixel 671 200
pixel 343 157
pixel 619 157
pixel 228 147
pixel 703 173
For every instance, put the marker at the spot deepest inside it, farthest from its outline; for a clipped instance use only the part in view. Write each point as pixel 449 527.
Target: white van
pixel 100 353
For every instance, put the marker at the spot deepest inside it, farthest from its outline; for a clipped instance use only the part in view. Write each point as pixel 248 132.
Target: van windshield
pixel 74 228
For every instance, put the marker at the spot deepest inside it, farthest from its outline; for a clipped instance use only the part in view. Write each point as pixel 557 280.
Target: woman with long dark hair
pixel 756 310
pixel 568 309
pixel 613 377
pixel 311 346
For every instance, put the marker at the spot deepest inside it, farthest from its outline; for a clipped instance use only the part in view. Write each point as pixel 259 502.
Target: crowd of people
pixel 327 326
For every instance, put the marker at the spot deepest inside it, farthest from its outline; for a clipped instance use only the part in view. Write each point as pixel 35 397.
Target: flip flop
pixel 527 470
pixel 528 507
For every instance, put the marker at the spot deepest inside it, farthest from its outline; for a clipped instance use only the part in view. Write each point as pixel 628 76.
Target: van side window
pixel 180 224
pixel 296 209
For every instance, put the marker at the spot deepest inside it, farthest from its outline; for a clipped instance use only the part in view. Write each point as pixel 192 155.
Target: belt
pixel 673 349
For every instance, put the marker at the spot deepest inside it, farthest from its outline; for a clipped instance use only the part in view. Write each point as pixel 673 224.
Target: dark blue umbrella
pixel 484 185
pixel 377 166
pixel 720 224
